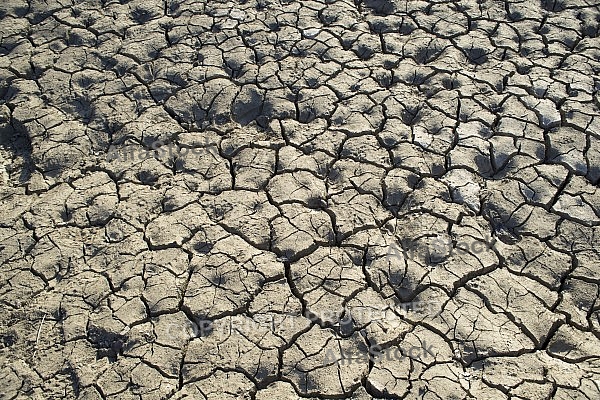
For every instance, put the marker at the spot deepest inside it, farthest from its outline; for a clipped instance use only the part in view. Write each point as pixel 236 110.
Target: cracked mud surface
pixel 271 199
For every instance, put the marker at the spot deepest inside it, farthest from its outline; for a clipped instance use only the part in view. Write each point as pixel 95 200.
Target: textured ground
pixel 273 199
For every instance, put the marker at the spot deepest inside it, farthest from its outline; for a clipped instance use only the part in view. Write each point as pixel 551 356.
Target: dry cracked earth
pixel 272 199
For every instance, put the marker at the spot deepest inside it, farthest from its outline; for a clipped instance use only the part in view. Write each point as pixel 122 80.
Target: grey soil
pixel 274 199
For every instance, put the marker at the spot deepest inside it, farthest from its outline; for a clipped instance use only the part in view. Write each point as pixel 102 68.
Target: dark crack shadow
pixel 381 7
pixel 553 5
pixel 74 378
pixel 503 227
pixel 427 54
pixel 244 111
pixel 16 140
pixel 476 55
pixel 108 345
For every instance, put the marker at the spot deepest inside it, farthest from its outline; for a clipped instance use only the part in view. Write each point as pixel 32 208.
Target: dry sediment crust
pixel 300 199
